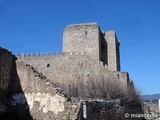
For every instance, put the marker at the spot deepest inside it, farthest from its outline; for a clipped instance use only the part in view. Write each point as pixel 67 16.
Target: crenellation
pixel 27 55
pixel 47 54
pixel 57 53
pixel 43 54
pixel 22 55
pixel 65 54
pixel 52 53
pixel 37 54
pixel 32 54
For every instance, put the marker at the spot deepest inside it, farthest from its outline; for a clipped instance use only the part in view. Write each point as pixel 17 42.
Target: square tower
pixel 82 38
pixel 98 45
pixel 113 56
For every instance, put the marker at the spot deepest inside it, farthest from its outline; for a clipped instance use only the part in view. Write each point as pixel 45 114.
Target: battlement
pixel 48 54
pixel 52 55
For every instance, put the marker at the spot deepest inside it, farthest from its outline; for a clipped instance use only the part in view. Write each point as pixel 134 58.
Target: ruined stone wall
pixel 6 61
pixel 45 100
pixel 108 109
pixel 27 94
pixel 103 110
pixel 82 38
pixel 6 67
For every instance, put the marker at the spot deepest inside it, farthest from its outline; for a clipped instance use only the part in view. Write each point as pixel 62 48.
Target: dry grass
pixel 107 89
pixel 102 88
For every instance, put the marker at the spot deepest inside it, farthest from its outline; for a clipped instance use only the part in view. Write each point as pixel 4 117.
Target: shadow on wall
pixel 16 107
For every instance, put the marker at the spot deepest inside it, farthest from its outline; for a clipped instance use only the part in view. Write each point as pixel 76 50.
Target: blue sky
pixel 29 26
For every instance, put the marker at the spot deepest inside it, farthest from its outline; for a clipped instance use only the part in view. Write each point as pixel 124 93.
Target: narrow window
pixel 48 65
pixel 117 76
pixel 85 32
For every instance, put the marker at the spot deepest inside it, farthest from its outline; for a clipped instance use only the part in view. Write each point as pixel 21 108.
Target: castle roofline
pixel 83 24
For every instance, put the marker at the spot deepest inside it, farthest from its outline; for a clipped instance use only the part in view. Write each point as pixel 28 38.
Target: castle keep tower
pixel 99 46
pixel 82 38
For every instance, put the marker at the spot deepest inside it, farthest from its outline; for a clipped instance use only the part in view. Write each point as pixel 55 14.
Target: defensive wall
pixel 87 52
pixel 72 67
pixel 45 100
pixel 29 95
pixel 29 85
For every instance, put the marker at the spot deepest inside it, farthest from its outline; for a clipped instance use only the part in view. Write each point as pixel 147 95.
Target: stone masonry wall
pixel 82 38
pixel 65 67
pixel 104 110
pixel 113 51
pixel 6 62
pixel 68 68
pixel 45 100
pixel 88 38
pixel 86 53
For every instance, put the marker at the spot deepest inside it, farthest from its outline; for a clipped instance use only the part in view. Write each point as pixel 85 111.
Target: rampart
pixel 43 55
pixel 72 69
pixel 63 67
pixel 46 100
pixel 27 94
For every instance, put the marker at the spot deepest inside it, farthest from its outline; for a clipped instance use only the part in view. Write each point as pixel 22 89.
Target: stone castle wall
pixel 45 100
pixel 71 67
pixel 65 67
pixel 28 94
pixel 87 52
pixel 74 71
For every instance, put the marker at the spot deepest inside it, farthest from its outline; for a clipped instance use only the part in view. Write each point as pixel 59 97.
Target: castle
pixel 87 51
pixel 28 80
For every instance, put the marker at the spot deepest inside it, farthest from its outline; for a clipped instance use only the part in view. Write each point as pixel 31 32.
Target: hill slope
pixel 151 97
